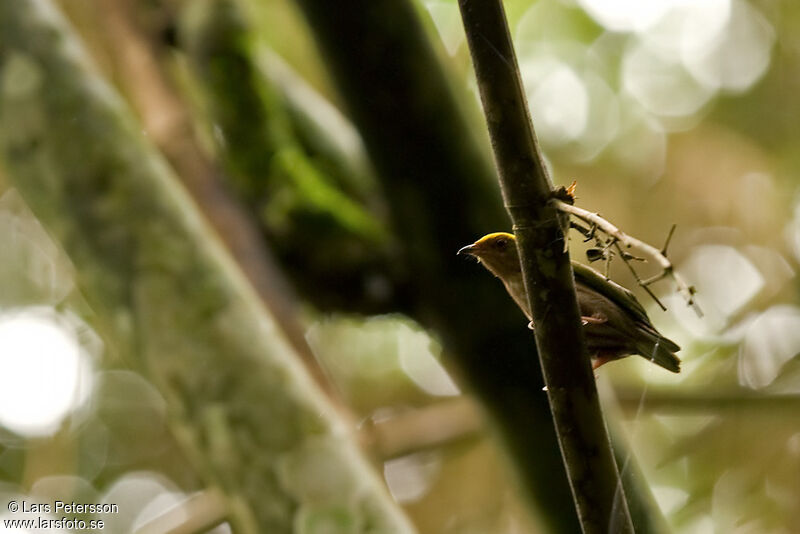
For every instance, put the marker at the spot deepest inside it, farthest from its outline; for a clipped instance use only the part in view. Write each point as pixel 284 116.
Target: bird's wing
pixel 610 290
pixel 624 298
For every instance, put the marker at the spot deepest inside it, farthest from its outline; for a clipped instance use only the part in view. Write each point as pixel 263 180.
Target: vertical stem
pixel 442 194
pixel 585 447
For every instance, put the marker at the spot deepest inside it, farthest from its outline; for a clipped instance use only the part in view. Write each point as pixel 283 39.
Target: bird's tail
pixel 659 350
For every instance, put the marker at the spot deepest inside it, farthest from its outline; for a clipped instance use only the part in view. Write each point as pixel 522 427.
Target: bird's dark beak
pixel 466 250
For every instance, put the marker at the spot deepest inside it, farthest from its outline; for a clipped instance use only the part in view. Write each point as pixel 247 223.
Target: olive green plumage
pixel 615 323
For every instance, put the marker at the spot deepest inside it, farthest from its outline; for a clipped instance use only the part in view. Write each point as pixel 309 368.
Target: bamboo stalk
pixel 594 479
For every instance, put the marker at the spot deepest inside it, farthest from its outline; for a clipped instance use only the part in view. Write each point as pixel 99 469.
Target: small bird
pixel 615 324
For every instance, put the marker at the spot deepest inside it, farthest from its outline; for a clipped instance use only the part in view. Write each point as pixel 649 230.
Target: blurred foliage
pixel 168 300
pixel 442 192
pixel 117 430
pixel 678 112
pixel 312 214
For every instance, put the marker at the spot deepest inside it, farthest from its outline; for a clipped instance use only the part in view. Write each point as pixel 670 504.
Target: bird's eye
pixel 501 243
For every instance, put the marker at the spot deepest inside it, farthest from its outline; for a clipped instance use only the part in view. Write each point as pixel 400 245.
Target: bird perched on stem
pixel 615 324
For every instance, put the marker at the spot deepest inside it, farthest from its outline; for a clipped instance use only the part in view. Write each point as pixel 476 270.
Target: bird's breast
pixel 516 288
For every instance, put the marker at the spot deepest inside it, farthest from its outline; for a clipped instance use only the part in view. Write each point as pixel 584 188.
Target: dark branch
pixel 441 192
pixel 526 188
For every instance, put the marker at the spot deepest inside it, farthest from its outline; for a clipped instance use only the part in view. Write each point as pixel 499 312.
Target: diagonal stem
pixel 526 187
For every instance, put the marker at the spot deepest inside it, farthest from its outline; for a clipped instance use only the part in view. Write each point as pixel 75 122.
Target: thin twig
pixel 655 278
pixel 588 233
pixel 640 282
pixel 624 240
pixel 666 242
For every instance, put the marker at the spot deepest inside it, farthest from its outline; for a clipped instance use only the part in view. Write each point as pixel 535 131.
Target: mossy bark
pixel 316 220
pixel 168 299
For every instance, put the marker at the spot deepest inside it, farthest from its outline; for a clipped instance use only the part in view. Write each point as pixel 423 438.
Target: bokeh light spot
pixel 770 341
pixel 421 366
pixel 410 477
pixel 447 20
pixel 670 498
pixel 688 28
pixel 137 490
pixel 44 373
pixel 739 56
pixel 662 85
pixel 560 106
pixel 626 15
pixel 726 281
